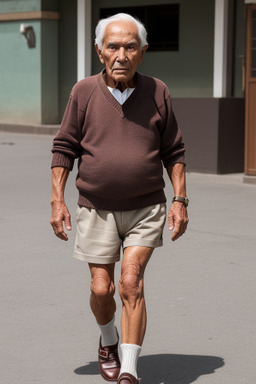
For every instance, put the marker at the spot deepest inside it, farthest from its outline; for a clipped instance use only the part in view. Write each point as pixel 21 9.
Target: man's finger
pixel 62 236
pixel 177 232
pixel 170 223
pixel 67 221
pixel 59 231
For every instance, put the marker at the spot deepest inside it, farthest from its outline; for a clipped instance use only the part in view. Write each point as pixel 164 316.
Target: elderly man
pixel 121 127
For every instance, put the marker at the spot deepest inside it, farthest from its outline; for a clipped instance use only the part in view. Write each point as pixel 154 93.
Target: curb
pixel 41 129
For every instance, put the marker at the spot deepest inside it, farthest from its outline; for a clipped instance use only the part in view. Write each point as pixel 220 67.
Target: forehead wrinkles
pixel 121 32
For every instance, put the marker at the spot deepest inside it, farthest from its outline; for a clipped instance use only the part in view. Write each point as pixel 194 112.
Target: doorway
pixel 250 103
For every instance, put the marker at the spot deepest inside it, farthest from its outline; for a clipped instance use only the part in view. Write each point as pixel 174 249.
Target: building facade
pixel 47 46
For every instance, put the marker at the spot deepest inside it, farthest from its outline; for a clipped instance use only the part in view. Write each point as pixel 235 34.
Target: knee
pixel 131 284
pixel 102 291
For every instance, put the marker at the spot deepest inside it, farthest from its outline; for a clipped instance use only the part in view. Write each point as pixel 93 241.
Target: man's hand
pixel 177 219
pixel 60 213
pixel 177 216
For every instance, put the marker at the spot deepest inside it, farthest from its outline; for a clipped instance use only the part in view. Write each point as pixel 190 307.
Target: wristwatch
pixel 183 200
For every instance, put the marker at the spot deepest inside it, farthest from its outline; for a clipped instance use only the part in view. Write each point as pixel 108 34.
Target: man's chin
pixel 122 77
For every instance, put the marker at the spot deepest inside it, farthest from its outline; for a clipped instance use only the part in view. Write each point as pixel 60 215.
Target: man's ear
pixel 143 51
pixel 99 52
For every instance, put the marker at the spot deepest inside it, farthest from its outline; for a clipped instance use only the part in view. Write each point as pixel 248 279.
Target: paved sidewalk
pixel 200 290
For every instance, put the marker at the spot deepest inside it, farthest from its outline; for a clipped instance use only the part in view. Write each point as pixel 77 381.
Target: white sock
pixel 109 335
pixel 130 355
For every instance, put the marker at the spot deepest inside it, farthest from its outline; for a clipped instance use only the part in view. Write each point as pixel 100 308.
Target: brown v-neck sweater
pixel 120 148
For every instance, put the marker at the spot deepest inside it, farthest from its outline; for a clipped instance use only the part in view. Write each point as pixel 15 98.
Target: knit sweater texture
pixel 121 149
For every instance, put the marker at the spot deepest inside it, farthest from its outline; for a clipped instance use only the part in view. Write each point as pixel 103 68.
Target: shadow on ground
pixel 167 368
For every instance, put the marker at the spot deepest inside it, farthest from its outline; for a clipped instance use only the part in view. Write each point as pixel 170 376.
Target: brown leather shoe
pixel 109 362
pixel 126 378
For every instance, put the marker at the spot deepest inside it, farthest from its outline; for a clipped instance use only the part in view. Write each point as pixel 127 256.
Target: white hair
pixel 101 27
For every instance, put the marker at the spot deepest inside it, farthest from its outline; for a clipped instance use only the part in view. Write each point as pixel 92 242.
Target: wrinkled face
pixel 121 53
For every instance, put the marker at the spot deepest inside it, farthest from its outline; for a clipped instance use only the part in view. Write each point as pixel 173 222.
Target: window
pixel 161 22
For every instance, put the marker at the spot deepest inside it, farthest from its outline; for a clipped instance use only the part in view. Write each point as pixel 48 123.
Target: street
pixel 200 291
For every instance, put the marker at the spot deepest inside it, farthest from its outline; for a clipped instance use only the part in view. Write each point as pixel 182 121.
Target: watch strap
pixel 181 199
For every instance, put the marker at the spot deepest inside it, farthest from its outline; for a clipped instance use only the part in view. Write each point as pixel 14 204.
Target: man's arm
pixel 177 216
pixel 60 211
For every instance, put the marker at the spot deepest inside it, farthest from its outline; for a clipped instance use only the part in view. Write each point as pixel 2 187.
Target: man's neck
pixel 122 86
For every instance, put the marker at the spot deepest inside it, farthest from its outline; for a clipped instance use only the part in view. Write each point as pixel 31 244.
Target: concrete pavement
pixel 200 290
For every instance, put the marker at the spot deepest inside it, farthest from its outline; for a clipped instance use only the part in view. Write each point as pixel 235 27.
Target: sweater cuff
pixel 61 160
pixel 174 160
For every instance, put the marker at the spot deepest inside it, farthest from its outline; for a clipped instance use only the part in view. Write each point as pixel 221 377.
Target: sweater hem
pixel 86 200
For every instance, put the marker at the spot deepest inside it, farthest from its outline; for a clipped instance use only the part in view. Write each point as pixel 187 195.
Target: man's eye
pixel 112 47
pixel 131 47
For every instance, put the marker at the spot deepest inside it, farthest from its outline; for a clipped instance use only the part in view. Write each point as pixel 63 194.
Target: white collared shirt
pixel 121 97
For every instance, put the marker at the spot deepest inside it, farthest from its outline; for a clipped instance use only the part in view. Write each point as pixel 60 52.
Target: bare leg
pixel 102 292
pixel 134 318
pixel 103 306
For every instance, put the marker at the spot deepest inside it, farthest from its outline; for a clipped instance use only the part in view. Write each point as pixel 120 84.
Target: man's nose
pixel 122 54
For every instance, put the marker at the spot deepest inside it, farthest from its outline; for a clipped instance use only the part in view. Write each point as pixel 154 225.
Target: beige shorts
pixel 100 234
